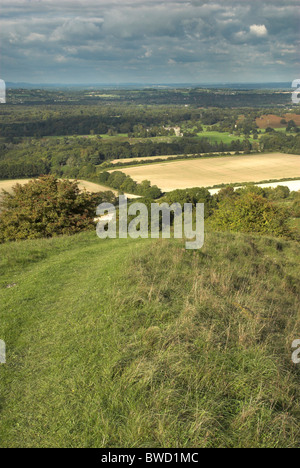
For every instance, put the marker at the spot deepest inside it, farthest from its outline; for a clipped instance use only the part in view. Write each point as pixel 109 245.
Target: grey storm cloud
pixel 149 41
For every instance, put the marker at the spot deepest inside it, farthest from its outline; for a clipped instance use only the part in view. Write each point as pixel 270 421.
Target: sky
pixel 138 41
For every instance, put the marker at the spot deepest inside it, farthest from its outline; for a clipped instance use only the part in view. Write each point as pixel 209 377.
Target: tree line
pixel 49 207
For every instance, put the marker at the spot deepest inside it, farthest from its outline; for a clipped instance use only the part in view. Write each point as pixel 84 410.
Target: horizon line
pixel 283 84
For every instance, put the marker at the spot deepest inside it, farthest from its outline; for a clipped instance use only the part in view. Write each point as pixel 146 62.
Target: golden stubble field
pixel 213 171
pixel 83 184
pixel 149 158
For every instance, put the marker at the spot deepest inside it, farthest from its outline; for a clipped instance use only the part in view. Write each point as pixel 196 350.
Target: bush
pixel 277 193
pixel 46 207
pixel 251 213
pixel 226 192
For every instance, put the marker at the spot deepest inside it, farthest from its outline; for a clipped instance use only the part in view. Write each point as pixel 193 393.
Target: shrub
pixel 251 213
pixel 46 207
pixel 277 193
pixel 226 192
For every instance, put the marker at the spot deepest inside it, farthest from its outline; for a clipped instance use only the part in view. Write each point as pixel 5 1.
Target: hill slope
pixel 143 344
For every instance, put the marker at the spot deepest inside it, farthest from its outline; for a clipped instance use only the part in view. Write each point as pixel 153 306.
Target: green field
pixel 225 137
pixel 214 137
pixel 143 344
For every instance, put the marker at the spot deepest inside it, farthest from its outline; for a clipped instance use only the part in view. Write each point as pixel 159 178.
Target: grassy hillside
pixel 143 344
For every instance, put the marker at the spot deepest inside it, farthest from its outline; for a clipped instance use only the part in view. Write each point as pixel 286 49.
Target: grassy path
pixel 59 327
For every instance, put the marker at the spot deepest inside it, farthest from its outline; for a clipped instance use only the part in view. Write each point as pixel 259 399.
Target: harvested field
pixel 7 185
pixel 274 121
pixel 94 188
pixel 149 158
pixel 83 184
pixel 294 117
pixel 213 171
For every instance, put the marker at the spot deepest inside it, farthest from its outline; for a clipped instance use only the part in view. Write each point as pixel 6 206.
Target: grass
pixel 130 343
pixel 219 137
pixel 295 224
pixel 118 138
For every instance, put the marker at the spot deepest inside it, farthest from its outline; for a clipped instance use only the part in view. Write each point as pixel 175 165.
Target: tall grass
pixel 144 344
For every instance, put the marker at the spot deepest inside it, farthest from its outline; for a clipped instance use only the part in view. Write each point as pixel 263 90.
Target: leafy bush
pixel 46 207
pixel 277 193
pixel 250 213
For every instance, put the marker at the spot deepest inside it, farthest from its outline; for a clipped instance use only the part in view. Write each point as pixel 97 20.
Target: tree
pixel 46 207
pixel 129 185
pixel 193 196
pixel 116 179
pixel 146 190
pixel 291 126
pixel 103 177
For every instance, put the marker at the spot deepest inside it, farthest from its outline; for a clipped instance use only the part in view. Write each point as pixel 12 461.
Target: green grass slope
pixel 143 344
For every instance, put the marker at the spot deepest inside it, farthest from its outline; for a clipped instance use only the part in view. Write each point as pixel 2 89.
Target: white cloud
pixel 60 59
pixel 35 37
pixel 259 30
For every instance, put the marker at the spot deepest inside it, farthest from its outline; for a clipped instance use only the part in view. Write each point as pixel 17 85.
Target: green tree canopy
pixel 45 207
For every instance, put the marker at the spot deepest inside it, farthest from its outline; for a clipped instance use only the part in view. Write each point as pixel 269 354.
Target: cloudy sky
pixel 149 41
